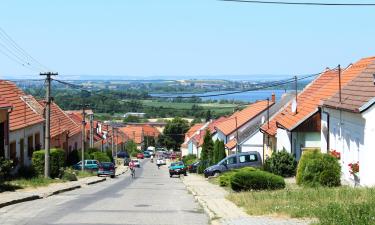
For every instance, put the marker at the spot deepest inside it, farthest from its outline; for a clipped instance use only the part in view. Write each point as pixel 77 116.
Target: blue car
pixel 89 165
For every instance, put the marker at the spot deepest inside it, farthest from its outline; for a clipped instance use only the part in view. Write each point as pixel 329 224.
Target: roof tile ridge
pixel 65 114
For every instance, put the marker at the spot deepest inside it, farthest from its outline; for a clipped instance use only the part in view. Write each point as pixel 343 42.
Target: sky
pixel 181 39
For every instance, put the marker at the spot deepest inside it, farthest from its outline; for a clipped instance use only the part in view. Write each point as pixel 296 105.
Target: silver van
pixel 235 161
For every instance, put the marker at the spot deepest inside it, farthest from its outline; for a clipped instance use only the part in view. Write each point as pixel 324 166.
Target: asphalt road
pixel 151 198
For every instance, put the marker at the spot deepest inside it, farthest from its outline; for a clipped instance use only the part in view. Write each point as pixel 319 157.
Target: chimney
pixel 273 97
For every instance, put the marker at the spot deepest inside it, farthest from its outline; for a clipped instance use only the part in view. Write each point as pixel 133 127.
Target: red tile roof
pixel 214 123
pixel 150 131
pixel 231 144
pixel 193 129
pixel 228 126
pixel 22 114
pixel 61 122
pixel 322 88
pixel 358 94
pixel 134 133
pixel 4 104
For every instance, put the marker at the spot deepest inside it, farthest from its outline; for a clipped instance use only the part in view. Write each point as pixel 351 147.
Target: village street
pixel 151 198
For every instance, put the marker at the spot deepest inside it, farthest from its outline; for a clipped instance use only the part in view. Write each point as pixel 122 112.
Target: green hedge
pixel 318 169
pixel 57 161
pixel 256 180
pixel 100 156
pixel 281 163
pixel 6 166
pixel 189 159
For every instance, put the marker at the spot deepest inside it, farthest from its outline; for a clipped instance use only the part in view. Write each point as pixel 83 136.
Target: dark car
pixel 236 161
pixel 146 154
pixel 192 168
pixel 107 169
pixel 177 168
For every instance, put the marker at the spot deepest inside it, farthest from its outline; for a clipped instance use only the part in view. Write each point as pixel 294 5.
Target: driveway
pixel 151 198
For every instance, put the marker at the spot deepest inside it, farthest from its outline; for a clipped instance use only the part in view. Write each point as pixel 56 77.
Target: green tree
pixel 174 133
pixel 208 115
pixel 207 152
pixel 130 147
pixel 216 152
pixel 221 151
pixel 195 121
pixel 131 119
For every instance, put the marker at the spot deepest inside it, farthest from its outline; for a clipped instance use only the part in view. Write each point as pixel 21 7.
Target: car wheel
pixel 185 174
pixel 170 175
pixel 112 176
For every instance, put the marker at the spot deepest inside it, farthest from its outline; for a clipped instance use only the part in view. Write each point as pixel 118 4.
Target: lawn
pixel 32 182
pixel 342 205
pixel 83 174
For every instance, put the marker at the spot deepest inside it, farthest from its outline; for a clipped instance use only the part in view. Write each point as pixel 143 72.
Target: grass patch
pixel 341 205
pixel 8 187
pixel 33 182
pixel 86 173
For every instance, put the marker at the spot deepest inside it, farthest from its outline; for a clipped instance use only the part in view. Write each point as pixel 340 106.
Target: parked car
pixel 140 156
pixel 236 161
pixel 107 169
pixel 177 168
pixel 89 165
pixel 146 154
pixel 136 162
pixel 192 168
pixel 122 154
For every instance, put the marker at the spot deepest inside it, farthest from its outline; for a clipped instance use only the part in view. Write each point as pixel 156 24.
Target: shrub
pixel 281 163
pixel 189 159
pixel 225 178
pixel 316 168
pixel 100 156
pixel 26 172
pixel 5 168
pixel 57 157
pixel 109 154
pixel 69 175
pixel 256 180
pixel 86 155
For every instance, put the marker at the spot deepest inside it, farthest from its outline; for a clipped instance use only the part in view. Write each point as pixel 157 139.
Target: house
pixel 134 133
pixel 229 129
pixel 25 125
pixel 187 147
pixel 135 114
pixel 251 138
pixel 297 127
pixel 5 108
pixel 348 123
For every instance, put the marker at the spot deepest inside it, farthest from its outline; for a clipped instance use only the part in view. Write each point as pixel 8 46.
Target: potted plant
pixel 354 170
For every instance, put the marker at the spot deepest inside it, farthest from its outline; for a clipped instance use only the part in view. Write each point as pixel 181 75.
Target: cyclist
pixel 132 168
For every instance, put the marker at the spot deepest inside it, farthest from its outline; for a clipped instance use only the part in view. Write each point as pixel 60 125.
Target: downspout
pixel 328 131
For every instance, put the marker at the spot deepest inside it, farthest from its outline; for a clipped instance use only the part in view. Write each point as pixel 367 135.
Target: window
pixel 30 146
pixel 248 158
pixel 38 146
pixel 13 153
pixel 232 160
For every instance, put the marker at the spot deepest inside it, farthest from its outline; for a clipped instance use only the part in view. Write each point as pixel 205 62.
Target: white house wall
pixel 347 135
pixel 367 165
pixel 16 136
pixel 254 143
pixel 283 140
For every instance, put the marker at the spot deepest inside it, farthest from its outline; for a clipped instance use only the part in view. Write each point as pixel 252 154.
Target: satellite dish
pixel 294 106
pixel 263 119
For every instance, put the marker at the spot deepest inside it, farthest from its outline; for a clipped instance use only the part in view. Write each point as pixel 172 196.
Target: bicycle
pixel 133 172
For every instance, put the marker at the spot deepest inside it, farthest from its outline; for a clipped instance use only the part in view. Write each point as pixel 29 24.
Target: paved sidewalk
pixel 224 212
pixel 22 195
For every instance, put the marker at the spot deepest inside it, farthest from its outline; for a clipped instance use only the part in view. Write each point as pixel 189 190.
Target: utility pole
pixel 112 148
pixel 339 68
pixel 83 136
pixel 236 135
pixel 268 113
pixel 92 130
pixel 295 82
pixel 47 135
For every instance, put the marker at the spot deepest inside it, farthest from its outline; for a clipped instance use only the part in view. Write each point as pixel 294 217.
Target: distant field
pixel 220 108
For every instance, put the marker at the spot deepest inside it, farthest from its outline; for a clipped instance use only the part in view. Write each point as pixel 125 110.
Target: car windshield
pixel 107 165
pixel 177 164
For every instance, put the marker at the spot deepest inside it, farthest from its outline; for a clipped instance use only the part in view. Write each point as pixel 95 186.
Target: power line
pixel 19 55
pixel 301 3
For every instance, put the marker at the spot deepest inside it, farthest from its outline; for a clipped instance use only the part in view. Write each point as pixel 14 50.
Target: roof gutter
pixel 367 105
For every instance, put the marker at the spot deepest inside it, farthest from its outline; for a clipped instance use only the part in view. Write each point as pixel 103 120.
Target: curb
pixel 26 199
pixel 95 181
pixel 211 214
pixel 61 191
